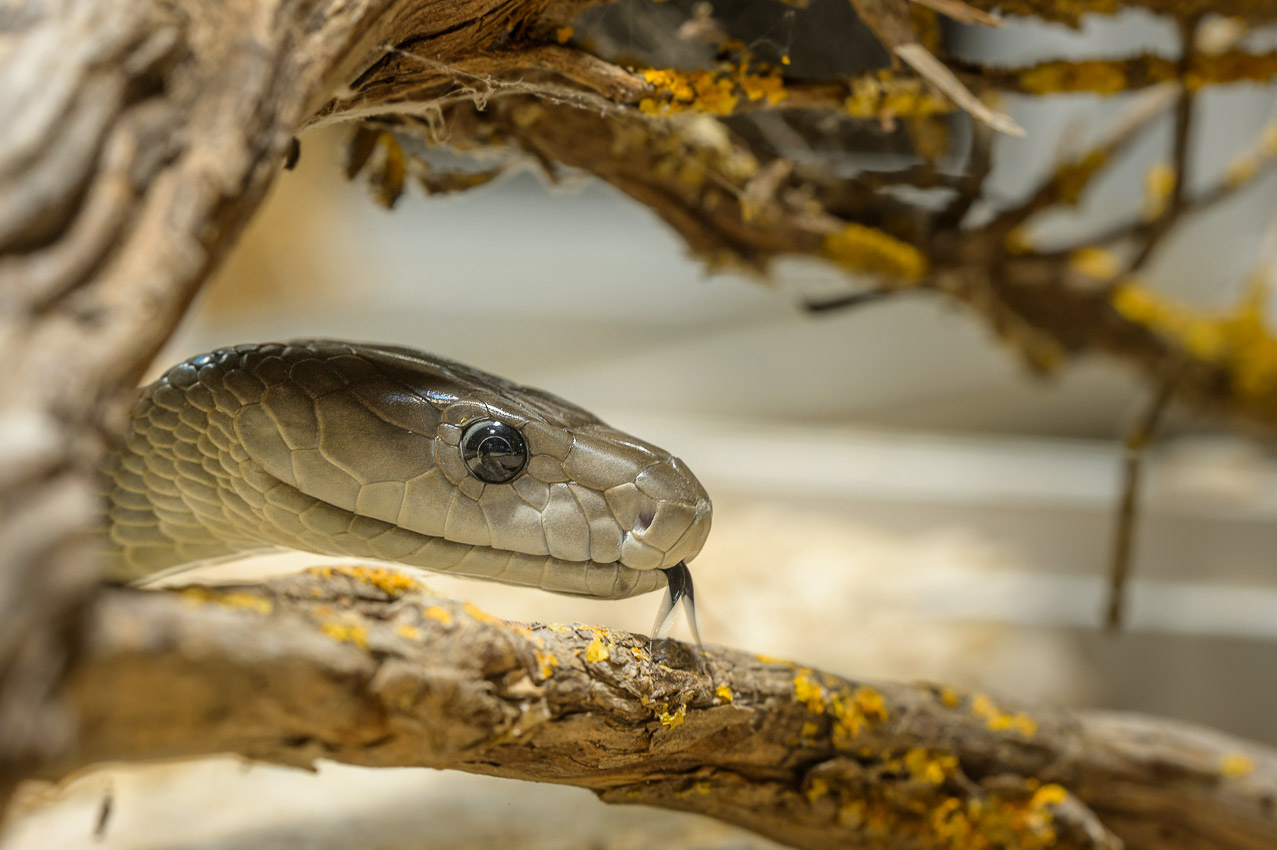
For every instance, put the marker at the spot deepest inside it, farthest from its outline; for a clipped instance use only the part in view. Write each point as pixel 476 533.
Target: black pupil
pixel 493 451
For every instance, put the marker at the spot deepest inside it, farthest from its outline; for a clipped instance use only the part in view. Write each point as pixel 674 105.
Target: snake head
pixel 481 475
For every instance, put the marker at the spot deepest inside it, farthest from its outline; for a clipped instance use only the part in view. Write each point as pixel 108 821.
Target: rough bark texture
pixel 367 667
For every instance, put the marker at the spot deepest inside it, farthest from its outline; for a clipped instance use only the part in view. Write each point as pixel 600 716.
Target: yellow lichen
pixel 702 788
pixel 409 632
pixel 1018 819
pixel 596 651
pixel 563 34
pixel 393 582
pixel 714 92
pixel 439 614
pixel 808 690
pixel 1236 765
pixel 346 633
pixel 1000 721
pixel 1238 341
pixel 949 697
pixel 1095 76
pixel 1048 795
pixel 1071 179
pixel 1095 263
pixel 1017 241
pixel 929 767
pixel 675 719
pixel 882 95
pixel 870 251
pixel 243 601
pixel 1113 76
pixel 482 616
pixel 1159 185
pixel 546 662
pixel 723 692
pixel 816 789
pixel 854 711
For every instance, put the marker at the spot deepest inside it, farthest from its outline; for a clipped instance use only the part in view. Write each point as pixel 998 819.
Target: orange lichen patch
pixel 1238 341
pixel 724 693
pixel 1000 721
pixel 870 251
pixel 640 653
pixel 439 614
pixel 596 651
pixel 882 95
pixel 675 719
pixel 546 662
pixel 199 595
pixel 808 690
pixel 1095 263
pixel 563 34
pixel 482 616
pixel 771 659
pixel 1236 765
pixel 409 632
pixel 346 633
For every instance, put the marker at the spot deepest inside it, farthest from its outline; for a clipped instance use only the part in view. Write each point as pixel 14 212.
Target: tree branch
pixel 367 667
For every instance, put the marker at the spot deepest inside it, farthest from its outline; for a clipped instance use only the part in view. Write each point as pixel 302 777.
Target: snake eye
pixel 493 451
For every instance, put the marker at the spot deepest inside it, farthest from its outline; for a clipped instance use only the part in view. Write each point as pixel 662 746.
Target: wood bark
pixel 368 667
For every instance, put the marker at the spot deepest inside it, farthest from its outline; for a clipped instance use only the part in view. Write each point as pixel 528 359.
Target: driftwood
pixel 137 138
pixel 367 667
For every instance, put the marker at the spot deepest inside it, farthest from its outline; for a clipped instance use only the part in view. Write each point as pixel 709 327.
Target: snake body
pixel 379 452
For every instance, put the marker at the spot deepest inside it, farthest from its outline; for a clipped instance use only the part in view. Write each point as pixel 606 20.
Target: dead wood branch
pixel 367 667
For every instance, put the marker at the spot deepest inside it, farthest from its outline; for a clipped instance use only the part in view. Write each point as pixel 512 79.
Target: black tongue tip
pixel 679 588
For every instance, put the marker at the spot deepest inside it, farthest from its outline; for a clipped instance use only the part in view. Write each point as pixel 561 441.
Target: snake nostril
pixel 644 519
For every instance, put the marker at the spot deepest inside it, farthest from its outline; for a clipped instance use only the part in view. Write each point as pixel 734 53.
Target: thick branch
pixel 366 667
pixel 138 138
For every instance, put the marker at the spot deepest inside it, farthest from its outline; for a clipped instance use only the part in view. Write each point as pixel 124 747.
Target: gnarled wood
pixel 367 667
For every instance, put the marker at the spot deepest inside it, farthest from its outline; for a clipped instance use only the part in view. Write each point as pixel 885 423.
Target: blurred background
pixel 895 496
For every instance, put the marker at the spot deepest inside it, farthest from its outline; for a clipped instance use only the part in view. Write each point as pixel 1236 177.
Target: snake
pixel 385 453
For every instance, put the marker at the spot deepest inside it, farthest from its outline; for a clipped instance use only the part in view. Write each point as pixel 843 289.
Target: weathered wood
pixel 367 667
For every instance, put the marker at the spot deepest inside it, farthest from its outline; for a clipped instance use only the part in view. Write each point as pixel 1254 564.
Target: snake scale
pixel 386 453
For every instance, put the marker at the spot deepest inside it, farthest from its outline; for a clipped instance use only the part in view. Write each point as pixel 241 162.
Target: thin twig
pixel 855 299
pixel 1167 218
pixel 1136 442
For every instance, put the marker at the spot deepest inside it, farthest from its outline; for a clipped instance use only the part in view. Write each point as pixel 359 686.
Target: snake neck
pixel 171 495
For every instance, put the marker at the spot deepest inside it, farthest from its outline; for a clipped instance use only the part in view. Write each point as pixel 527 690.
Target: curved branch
pixel 367 667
